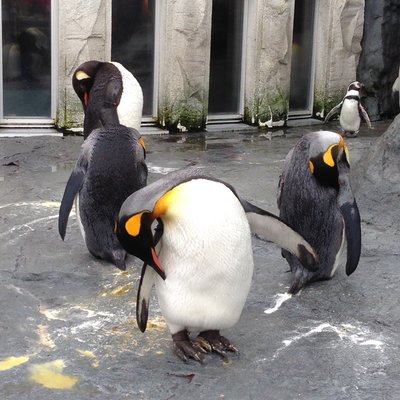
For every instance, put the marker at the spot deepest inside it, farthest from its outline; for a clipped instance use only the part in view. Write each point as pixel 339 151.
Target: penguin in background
pixel 104 87
pixel 110 167
pixel 316 200
pixel 200 257
pixel 350 109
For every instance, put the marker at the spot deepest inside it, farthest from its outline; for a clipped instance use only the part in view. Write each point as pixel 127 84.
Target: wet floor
pixel 68 330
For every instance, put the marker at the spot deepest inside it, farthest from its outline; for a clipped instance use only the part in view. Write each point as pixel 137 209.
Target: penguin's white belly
pixel 130 107
pixel 78 217
pixel 207 256
pixel 349 116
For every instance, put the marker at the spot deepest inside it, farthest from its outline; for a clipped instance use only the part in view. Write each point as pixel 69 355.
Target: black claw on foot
pixel 216 342
pixel 185 349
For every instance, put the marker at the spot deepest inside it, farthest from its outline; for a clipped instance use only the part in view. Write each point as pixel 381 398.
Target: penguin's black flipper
pixel 351 216
pixel 146 283
pixel 365 115
pixel 271 227
pixel 334 111
pixel 73 186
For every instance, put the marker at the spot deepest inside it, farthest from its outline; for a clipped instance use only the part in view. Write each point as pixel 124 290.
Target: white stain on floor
pixel 160 170
pixel 33 204
pixel 346 332
pixel 280 298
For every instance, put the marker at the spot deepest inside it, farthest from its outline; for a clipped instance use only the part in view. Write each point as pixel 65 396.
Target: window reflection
pixel 133 24
pixel 26 29
pixel 226 56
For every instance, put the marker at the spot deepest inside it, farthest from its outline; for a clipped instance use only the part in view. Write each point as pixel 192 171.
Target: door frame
pixel 32 121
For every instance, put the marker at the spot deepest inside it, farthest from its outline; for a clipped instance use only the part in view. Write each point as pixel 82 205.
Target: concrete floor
pixel 68 330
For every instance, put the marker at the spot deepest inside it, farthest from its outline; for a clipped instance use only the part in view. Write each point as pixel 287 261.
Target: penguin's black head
pixel 136 236
pixel 327 149
pixel 83 79
pixel 355 86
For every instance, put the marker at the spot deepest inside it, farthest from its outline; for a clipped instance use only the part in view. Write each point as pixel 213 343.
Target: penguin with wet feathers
pixel 104 87
pixel 200 256
pixel 351 110
pixel 316 200
pixel 110 167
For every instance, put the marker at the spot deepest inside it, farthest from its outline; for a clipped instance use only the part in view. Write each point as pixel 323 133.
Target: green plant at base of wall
pixel 324 103
pixel 183 117
pixel 268 109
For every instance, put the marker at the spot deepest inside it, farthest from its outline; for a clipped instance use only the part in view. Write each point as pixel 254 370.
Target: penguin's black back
pixel 116 168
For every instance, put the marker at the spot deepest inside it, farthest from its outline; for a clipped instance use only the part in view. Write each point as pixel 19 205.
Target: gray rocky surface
pixel 74 316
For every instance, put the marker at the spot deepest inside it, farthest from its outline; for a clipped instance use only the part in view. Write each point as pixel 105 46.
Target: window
pixel 26 81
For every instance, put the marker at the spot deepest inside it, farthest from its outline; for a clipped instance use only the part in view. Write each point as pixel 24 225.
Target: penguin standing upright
pixel 200 255
pixel 316 200
pixel 350 110
pixel 103 87
pixel 110 167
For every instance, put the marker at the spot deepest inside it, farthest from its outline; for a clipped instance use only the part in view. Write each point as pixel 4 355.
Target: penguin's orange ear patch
pixel 141 142
pixel 133 225
pixel 80 75
pixel 311 164
pixel 328 157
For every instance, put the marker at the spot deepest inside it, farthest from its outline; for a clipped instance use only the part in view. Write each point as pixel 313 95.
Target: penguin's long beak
pixel 351 216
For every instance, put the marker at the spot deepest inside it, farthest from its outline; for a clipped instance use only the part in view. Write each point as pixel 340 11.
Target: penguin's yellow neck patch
pixel 165 201
pixel 80 75
pixel 141 142
pixel 311 164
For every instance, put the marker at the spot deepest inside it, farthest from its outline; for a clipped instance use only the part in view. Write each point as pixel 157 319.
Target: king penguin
pixel 316 200
pixel 200 255
pixel 103 87
pixel 110 167
pixel 350 109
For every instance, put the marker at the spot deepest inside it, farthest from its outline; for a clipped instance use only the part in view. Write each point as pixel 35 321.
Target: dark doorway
pixel 133 40
pixel 226 57
pixel 301 77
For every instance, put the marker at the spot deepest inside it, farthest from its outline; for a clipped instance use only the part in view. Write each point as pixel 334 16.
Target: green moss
pixel 324 103
pixel 269 107
pixel 185 116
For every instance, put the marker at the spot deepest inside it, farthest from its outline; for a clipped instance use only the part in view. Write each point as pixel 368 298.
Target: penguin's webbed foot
pixel 185 348
pixel 212 340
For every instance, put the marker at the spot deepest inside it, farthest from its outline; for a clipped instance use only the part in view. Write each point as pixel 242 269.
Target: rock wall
pixel 82 37
pixel 269 46
pixel 380 57
pixel 184 64
pixel 339 30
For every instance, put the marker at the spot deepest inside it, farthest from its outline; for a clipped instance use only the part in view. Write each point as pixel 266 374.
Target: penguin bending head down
pixel 350 109
pixel 110 167
pixel 316 200
pixel 104 87
pixel 200 255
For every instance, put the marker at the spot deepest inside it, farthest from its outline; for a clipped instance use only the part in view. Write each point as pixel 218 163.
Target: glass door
pixel 302 71
pixel 26 67
pixel 133 44
pixel 226 81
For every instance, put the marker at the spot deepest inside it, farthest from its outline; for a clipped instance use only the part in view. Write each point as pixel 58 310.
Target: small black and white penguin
pixel 110 167
pixel 316 200
pixel 103 87
pixel 200 254
pixel 350 109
